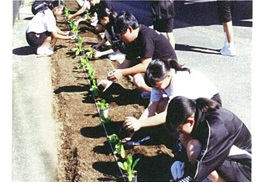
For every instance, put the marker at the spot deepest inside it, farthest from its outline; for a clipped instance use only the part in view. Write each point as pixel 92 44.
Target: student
pixel 213 142
pixel 107 18
pixel 142 45
pixel 92 6
pixel 42 29
pixel 163 15
pixel 169 79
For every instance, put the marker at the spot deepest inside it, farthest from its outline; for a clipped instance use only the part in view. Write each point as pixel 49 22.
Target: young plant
pixel 90 52
pixel 79 49
pixel 119 149
pixel 102 104
pixel 83 63
pixel 74 28
pixel 128 166
pixel 87 16
pixel 94 88
pixel 104 121
pixel 91 71
pixel 114 139
pixel 67 12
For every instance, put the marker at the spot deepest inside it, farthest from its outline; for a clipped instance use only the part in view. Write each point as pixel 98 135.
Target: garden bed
pixel 83 151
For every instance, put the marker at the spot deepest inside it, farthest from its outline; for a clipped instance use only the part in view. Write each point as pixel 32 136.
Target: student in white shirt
pixel 169 79
pixel 42 29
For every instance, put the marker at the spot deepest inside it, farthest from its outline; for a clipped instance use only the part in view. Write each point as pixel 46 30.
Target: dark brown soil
pixel 84 154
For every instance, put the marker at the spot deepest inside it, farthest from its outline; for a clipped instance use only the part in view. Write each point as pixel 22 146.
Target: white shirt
pixel 191 85
pixel 42 22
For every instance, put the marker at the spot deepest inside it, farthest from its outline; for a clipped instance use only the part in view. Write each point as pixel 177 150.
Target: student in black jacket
pixel 213 142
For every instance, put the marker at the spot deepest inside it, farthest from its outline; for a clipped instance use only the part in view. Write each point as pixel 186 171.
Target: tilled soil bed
pixel 84 154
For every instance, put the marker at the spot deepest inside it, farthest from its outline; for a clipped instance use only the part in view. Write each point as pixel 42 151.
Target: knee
pixel 193 150
pixel 162 105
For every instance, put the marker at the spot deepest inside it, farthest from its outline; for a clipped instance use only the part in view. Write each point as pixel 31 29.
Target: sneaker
pixel 146 95
pixel 44 51
pixel 116 56
pixel 228 51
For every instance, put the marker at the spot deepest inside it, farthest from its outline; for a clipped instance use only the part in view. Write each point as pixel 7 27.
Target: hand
pixel 70 16
pixel 97 54
pixel 114 75
pixel 131 123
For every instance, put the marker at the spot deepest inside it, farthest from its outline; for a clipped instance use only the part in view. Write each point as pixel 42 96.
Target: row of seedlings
pixel 125 161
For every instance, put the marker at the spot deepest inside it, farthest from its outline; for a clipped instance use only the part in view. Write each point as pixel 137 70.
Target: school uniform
pixel 226 147
pixel 149 44
pixel 191 85
pixel 40 27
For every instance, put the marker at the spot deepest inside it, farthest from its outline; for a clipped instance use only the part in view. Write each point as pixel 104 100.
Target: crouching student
pixel 107 18
pixel 142 45
pixel 42 29
pixel 169 79
pixel 213 142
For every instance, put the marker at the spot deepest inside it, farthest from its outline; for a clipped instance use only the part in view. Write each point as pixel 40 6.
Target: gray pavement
pixel 34 154
pixel 198 35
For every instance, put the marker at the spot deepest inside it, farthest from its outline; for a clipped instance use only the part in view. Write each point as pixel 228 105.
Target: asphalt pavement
pixel 198 36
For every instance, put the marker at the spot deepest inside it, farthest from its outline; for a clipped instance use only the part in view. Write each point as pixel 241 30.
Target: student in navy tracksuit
pixel 213 142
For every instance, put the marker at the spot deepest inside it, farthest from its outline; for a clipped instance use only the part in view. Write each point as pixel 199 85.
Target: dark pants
pixel 224 9
pixel 37 39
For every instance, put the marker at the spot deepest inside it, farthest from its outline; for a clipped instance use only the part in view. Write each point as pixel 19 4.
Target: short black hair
pixel 125 20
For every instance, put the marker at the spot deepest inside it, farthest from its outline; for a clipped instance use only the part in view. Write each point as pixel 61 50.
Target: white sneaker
pixel 44 51
pixel 116 56
pixel 228 51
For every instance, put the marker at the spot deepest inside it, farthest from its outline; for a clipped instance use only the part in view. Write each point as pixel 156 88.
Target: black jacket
pixel 219 131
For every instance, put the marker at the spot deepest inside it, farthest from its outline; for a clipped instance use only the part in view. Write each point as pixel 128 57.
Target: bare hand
pixel 114 75
pixel 131 123
pixel 97 54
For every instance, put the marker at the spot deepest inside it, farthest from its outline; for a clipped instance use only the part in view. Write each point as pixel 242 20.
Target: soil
pixel 83 152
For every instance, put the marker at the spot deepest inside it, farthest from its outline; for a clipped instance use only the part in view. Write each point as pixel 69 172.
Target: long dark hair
pixel 157 69
pixel 181 108
pixel 125 20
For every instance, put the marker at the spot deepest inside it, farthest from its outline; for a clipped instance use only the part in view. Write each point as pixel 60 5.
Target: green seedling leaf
pixel 102 104
pixel 114 139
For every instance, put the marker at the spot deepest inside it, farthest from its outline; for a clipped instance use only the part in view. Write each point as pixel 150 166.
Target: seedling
pixel 87 16
pixel 119 149
pixel 67 12
pixel 91 71
pixel 79 49
pixel 104 121
pixel 74 28
pixel 128 166
pixel 83 63
pixel 90 52
pixel 102 104
pixel 114 139
pixel 94 88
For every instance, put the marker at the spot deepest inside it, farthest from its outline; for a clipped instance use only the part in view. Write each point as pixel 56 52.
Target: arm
pixel 56 35
pixel 62 32
pixel 80 11
pixel 98 54
pixel 124 71
pixel 147 119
